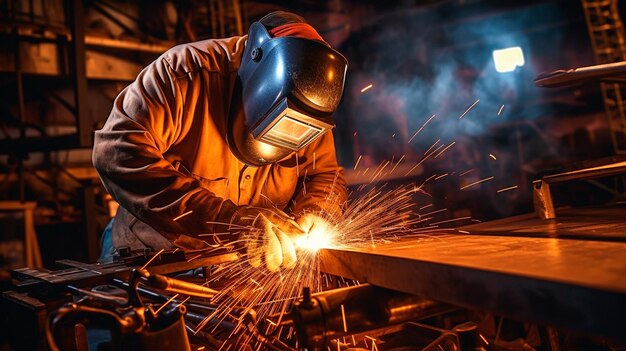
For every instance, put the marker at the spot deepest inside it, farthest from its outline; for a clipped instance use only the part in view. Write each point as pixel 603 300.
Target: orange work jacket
pixel 162 153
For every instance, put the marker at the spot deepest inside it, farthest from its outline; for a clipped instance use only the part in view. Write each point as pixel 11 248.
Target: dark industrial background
pixel 62 63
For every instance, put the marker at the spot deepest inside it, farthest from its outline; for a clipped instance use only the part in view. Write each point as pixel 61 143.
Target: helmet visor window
pixel 291 133
pixel 289 128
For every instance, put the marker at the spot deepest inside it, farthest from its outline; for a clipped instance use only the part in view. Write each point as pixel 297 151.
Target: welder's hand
pixel 268 234
pixel 308 220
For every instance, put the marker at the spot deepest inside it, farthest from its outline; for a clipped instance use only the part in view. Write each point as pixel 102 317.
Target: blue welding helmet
pixel 289 88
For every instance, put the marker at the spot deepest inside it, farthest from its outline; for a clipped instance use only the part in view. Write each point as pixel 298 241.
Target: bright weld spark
pixel 433 212
pixel 444 150
pixel 394 167
pixel 429 178
pixel 343 316
pixel 466 172
pixel 441 176
pixel 423 160
pixel 463 231
pixel 500 110
pixel 357 162
pixel 165 304
pixel 469 108
pixel 492 156
pixel 451 220
pixel 420 129
pixel 232 225
pixel 427 206
pixel 194 257
pixel 152 259
pixel 507 189
pixel 432 146
pixel 182 215
pixel 436 150
pixel 379 172
pixel 367 88
pixel 270 322
pixel 213 234
pixel 476 182
pixel 297 166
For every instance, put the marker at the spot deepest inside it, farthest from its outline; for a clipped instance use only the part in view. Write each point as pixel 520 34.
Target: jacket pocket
pixel 280 186
pixel 129 231
pixel 218 186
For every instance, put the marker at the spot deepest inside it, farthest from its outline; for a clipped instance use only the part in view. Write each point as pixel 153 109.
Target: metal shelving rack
pixel 608 39
pixel 27 23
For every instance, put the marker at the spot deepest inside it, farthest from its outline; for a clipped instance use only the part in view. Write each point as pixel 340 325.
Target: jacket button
pixel 247 177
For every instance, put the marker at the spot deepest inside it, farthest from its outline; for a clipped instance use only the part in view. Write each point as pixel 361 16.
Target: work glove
pixel 317 216
pixel 319 232
pixel 267 234
pixel 308 220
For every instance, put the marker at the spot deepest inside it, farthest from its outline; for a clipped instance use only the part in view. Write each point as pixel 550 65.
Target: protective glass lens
pixel 291 133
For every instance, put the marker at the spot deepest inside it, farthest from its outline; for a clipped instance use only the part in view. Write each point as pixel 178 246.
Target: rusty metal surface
pixel 572 284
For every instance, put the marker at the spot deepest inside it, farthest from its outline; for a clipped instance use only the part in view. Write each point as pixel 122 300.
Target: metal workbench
pixel 574 284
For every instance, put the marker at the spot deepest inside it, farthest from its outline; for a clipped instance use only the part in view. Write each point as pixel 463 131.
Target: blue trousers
pixel 106 255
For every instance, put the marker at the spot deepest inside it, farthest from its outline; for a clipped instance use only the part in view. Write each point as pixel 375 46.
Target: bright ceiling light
pixel 506 60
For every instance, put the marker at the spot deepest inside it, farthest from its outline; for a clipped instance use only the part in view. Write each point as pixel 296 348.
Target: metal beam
pixel 571 284
pixel 83 119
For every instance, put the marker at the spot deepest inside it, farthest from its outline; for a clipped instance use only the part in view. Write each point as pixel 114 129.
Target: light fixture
pixel 506 60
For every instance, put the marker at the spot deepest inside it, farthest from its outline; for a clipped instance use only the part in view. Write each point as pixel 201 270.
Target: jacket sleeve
pixel 322 186
pixel 128 154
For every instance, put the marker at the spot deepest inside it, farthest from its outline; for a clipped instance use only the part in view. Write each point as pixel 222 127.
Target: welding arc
pixel 180 286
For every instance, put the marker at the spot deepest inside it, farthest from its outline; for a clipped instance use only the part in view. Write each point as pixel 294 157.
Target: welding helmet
pixel 289 88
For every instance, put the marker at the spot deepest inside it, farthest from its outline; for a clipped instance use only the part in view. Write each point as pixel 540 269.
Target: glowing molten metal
pixel 320 234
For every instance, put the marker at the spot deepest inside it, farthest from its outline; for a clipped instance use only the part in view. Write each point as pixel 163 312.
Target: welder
pixel 227 142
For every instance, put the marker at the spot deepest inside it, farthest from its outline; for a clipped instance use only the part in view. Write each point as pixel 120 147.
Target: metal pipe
pixel 180 286
pixel 335 313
